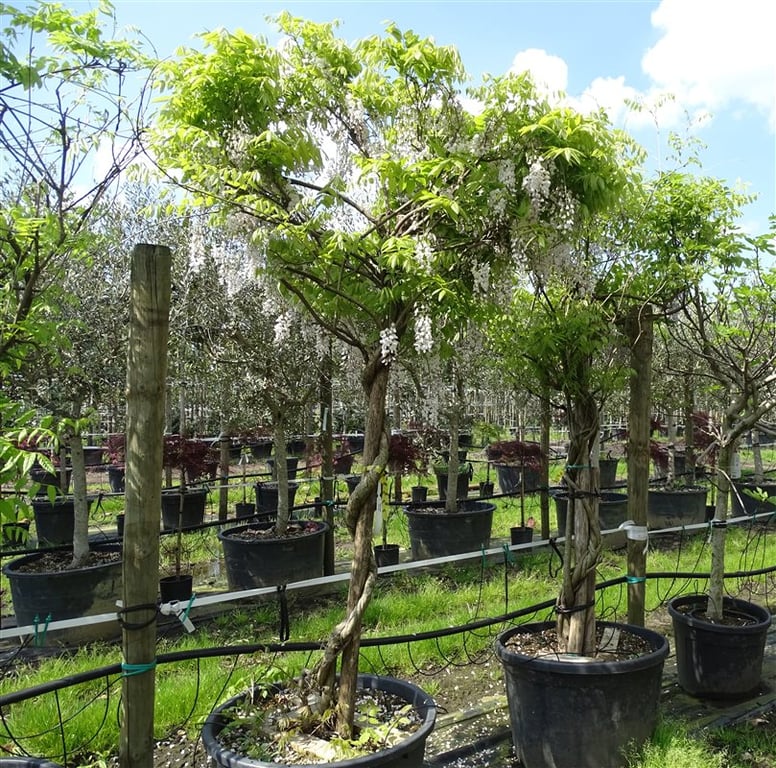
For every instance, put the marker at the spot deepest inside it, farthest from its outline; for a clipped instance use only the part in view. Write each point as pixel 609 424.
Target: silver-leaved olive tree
pixel 380 203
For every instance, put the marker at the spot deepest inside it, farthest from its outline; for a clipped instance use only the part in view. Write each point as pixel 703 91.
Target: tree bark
pixel 639 330
pixel 80 501
pixel 281 472
pixel 327 456
pixel 360 519
pixel 544 444
pixel 576 604
pixel 146 377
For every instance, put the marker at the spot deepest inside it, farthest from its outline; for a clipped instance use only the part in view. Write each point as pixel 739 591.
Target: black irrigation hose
pixel 310 647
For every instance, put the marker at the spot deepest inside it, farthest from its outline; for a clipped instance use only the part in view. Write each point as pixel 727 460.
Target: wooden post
pixel 223 465
pixel 639 330
pixel 146 377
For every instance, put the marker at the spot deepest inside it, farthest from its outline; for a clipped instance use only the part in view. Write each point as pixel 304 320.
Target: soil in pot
pixel 572 712
pixel 255 557
pixel 721 660
pixel 43 585
pixel 399 737
pixel 436 533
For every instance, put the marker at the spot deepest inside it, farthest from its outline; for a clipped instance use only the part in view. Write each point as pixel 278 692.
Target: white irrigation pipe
pixel 180 608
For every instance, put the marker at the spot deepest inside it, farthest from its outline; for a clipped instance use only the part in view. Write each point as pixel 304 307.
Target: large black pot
pixel 436 533
pixel 267 499
pixel 720 661
pixel 54 522
pixel 514 478
pixel 675 508
pixel 116 478
pixel 66 594
pixel 612 510
pixel 743 503
pixel 568 712
pixel 406 754
pixel 193 513
pixel 269 561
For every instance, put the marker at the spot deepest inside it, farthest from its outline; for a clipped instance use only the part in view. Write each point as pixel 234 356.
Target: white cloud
pixel 549 73
pixel 714 54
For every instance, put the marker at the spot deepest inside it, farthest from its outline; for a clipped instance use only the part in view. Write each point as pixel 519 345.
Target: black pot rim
pixel 686 491
pixel 12 568
pixel 228 533
pixel 420 699
pixel 604 498
pixel 760 615
pixel 573 668
pixel 386 547
pixel 465 507
pixel 188 492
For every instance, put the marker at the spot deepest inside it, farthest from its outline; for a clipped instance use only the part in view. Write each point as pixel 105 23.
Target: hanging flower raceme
pixel 537 184
pixel 282 327
pixel 424 255
pixel 424 341
pixel 389 344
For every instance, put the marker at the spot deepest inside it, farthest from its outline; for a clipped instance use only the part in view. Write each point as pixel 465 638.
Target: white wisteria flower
pixel 537 183
pixel 424 340
pixel 389 344
pixel 424 255
pixel 282 327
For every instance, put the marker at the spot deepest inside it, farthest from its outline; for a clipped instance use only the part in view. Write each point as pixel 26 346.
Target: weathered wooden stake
pixel 146 377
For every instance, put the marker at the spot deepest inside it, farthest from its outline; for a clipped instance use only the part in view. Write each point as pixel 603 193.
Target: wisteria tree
pixel 381 205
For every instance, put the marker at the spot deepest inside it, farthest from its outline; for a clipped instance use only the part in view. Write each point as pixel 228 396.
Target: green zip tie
pixel 509 555
pixel 635 579
pixel 40 638
pixel 129 670
pixel 188 607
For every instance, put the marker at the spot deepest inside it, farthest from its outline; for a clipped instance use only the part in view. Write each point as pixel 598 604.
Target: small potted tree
pixel 518 464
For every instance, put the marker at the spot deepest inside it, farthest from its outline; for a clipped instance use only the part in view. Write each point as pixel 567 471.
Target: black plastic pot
pixel 568 712
pixel 66 594
pixel 612 510
pixel 675 508
pixel 435 533
pixel 27 762
pixel 54 523
pixel 520 534
pixel 193 513
pixel 261 449
pixel 270 561
pixel 743 503
pixel 486 489
pixel 292 462
pixel 608 468
pixel 406 754
pixel 116 479
pixel 267 499
pixel 46 479
pixel 352 481
pixel 720 661
pixel 244 509
pixel 178 588
pixel 386 554
pixel 15 535
pixel 419 494
pixel 120 525
pixel 509 478
pixel 462 486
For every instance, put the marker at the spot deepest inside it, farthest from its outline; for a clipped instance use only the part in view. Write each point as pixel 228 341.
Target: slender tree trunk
pixel 757 455
pixel 223 466
pixel 453 465
pixel 689 431
pixel 80 502
pixel 360 519
pixel 146 377
pixel 717 580
pixel 639 330
pixel 327 456
pixel 544 444
pixel 281 472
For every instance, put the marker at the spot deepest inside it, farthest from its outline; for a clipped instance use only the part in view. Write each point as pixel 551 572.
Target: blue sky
pixel 716 58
